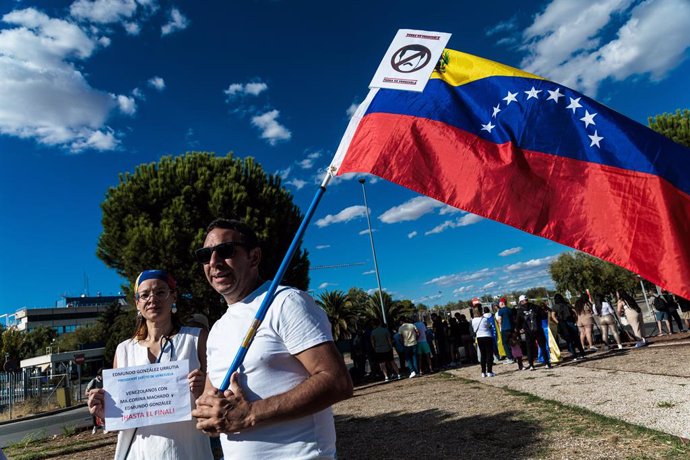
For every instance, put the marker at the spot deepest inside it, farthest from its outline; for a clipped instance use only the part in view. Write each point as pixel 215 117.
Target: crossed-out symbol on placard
pixel 410 58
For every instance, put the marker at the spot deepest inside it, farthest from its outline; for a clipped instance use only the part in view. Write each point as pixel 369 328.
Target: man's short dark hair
pixel 240 227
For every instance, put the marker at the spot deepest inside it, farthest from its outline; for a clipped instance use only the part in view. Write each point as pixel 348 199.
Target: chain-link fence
pixel 20 388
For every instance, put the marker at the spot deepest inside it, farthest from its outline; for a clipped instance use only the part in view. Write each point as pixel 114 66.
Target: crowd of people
pixel 527 334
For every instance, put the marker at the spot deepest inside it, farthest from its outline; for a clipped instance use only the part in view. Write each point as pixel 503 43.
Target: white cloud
pixel 373 291
pixel 104 41
pixel 297 183
pixel 176 21
pixel 284 173
pixel 44 96
pixel 351 110
pixel 532 263
pixel 366 231
pixel 518 276
pixel 501 27
pixel 463 289
pixel 246 89
pixel 157 83
pixel 103 11
pixel 325 285
pixel 410 210
pixel 510 252
pixel 369 272
pixel 127 104
pixel 323 246
pixel 567 42
pixel 95 140
pixel 346 215
pixel 447 280
pixel 271 129
pixel 412 234
pixel 308 162
pixel 462 221
pixel 132 28
pixel 447 209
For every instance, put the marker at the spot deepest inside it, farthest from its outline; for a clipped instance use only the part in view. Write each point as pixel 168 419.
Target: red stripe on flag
pixel 635 220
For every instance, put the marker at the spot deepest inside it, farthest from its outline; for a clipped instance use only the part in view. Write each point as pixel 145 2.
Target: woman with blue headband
pixel 160 337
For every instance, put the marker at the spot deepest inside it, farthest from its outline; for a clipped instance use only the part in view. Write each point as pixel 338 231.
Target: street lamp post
pixel 373 251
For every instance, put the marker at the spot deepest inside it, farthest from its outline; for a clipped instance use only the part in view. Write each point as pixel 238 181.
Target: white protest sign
pixel 410 59
pixel 146 395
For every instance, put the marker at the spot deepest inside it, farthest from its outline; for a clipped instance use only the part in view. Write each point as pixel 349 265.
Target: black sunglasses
pixel 224 251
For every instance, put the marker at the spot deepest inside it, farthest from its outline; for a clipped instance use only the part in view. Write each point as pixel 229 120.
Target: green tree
pixel 537 293
pixel 395 310
pixel 93 333
pixel 156 218
pixel 11 344
pixel 577 271
pixel 675 126
pixel 341 313
pixel 34 343
pixel 122 329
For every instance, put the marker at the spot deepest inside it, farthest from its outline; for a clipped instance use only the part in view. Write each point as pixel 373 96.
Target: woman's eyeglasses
pixel 160 294
pixel 224 251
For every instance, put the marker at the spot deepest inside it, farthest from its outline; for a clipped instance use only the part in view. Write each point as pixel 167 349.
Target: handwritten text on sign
pixel 146 395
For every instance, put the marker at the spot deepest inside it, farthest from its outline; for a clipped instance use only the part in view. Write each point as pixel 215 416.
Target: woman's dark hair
pixel 558 298
pixel 627 298
pixel 580 304
pixel 598 300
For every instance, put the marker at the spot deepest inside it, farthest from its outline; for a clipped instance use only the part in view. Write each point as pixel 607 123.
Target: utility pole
pixel 373 251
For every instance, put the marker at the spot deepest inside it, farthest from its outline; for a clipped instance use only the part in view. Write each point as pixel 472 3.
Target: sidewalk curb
pixel 42 414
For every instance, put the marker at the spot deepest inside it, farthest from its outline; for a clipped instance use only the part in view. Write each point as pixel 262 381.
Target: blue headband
pixel 155 275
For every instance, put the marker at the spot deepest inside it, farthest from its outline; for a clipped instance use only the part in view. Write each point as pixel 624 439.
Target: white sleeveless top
pixel 169 441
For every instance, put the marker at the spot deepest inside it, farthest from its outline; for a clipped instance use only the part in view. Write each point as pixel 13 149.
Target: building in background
pixel 77 312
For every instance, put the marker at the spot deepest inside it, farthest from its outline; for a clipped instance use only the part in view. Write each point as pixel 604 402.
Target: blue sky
pixel 90 89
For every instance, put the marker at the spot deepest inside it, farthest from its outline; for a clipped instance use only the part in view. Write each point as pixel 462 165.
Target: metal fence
pixel 19 387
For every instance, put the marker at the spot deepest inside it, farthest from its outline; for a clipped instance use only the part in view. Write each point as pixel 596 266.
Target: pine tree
pixel 675 126
pixel 157 216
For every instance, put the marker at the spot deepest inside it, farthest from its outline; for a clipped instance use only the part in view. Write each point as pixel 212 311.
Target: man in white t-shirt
pixel 279 403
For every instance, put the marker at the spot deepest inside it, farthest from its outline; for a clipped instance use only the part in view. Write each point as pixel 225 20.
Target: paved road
pixel 46 426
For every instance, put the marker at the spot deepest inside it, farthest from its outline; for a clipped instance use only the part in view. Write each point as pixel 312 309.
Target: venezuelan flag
pixel 525 151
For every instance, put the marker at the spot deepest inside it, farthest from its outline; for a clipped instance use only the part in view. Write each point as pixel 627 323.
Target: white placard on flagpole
pixel 410 59
pixel 147 395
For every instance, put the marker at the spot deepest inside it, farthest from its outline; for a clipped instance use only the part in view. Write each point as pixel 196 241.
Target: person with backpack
pixel 534 332
pixel 94 384
pixel 633 313
pixel 672 310
pixel 661 313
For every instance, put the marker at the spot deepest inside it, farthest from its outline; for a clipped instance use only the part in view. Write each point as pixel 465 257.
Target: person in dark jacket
pixel 567 329
pixel 534 332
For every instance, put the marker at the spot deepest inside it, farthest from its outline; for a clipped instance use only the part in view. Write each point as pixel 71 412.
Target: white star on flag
pixel 488 127
pixel 533 93
pixel 496 110
pixel 554 95
pixel 588 118
pixel 595 139
pixel 510 98
pixel 574 104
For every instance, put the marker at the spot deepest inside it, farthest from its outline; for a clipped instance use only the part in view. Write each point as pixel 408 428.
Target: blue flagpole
pixel 261 313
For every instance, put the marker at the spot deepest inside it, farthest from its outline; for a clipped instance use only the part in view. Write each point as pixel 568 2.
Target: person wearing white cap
pixel 534 332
